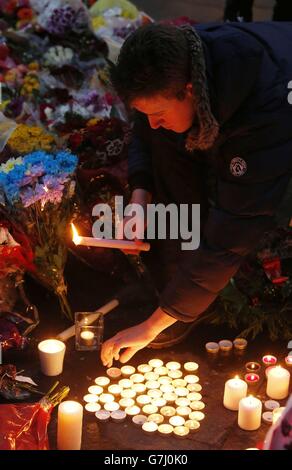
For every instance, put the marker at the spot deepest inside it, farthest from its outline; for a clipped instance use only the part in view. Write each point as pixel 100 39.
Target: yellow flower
pixel 92 122
pixel 10 164
pixel 4 104
pixel 34 66
pixel 26 139
pixel 98 21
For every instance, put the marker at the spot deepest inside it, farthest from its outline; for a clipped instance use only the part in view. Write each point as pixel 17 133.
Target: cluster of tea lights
pixel 249 407
pixel 157 397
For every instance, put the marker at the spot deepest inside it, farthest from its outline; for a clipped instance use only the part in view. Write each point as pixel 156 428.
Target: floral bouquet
pixel 37 191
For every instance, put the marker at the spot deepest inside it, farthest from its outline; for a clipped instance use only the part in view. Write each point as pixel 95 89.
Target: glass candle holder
pixel 88 331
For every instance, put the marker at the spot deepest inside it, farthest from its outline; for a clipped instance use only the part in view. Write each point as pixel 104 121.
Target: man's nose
pixel 154 122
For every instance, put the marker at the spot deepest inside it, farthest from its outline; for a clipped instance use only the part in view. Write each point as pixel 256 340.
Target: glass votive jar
pixel 88 331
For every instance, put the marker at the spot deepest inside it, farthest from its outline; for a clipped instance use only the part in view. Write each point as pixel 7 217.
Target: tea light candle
pixel 249 413
pixel 103 415
pixel 181 391
pixel 156 418
pixel 149 427
pixel 167 388
pixel 197 405
pixel 137 378
pixel 155 363
pixel 139 388
pixel 102 381
pixel 191 379
pixel 240 343
pixel 177 420
pixel 111 406
pixel 225 345
pixel 194 387
pixel 278 383
pixel 132 410
pixel 125 383
pixel 175 374
pixel 149 409
pixel 151 384
pixel 114 372
pixel 172 365
pixel 114 390
pixel 87 337
pixel 143 400
pixel 90 398
pixel 269 360
pixel 69 432
pixel 168 411
pixel 161 370
pixel 106 398
pixel 126 402
pixel 183 411
pixel 182 401
pixel 128 370
pixel 154 393
pixel 51 355
pixel 158 402
pixel 181 431
pixel 170 397
pixel 197 415
pixel 151 376
pixel 118 416
pixel 92 407
pixel 164 380
pixel 252 366
pixel 179 383
pixel 288 361
pixel 191 366
pixel 235 389
pixel 251 378
pixel 95 390
pixel 139 420
pixel 277 413
pixel 192 425
pixel 165 429
pixel 212 347
pixel 271 405
pixel 267 417
pixel 128 393
pixel 194 396
pixel 144 368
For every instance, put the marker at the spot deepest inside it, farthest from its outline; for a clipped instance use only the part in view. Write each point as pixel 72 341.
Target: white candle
pixel 191 379
pixel 106 398
pixel 155 363
pixel 181 431
pixel 181 391
pixel 173 365
pixel 87 337
pixel 156 418
pixel 192 425
pixel 115 390
pixel 51 354
pixel 175 374
pixel 249 413
pixel 139 420
pixel 95 390
pixel 179 383
pixel 118 416
pixel 149 427
pixel 154 393
pixel 144 368
pixel 111 406
pixel 102 381
pixel 184 411
pixel 90 398
pixel 278 383
pixel 125 383
pixel 168 411
pixel 137 378
pixel 128 393
pixel 143 400
pixel 165 429
pixel 92 407
pixel 161 370
pixel 128 370
pixel 235 389
pixel 191 366
pixel 69 433
pixel 225 345
pixel 177 421
pixel 114 372
pixel 197 415
pixel 132 410
pixel 149 409
pixel 212 347
pixel 139 388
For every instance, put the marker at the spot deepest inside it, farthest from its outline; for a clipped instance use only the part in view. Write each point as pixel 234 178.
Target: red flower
pixel 25 14
pixel 75 140
pixel 9 7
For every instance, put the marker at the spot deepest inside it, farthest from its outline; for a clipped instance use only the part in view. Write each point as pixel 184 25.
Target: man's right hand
pixel 141 197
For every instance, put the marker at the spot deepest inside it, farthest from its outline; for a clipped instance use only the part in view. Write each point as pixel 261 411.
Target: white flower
pixel 114 147
pixel 58 56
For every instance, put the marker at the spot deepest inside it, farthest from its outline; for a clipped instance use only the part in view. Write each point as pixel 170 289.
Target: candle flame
pixel 46 189
pixel 76 238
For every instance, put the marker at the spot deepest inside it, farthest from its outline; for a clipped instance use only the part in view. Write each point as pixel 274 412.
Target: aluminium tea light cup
pixel 175 374
pixel 154 393
pixel 253 367
pixel 184 411
pixel 106 398
pixel 181 431
pixel 126 402
pixel 271 405
pixel 151 376
pixel 251 378
pixel 194 387
pixel 269 360
pixel 182 401
pixel 192 425
pixel 161 370
pixel 225 345
pixel 111 406
pixel 125 383
pixel 139 388
pixel 143 400
pixel 102 381
pixel 133 410
pixel 103 415
pixel 118 416
pixel 139 420
pixel 179 383
pixel 288 361
pixel 149 409
pixel 168 411
pixel 212 347
pixel 156 418
pixel 128 393
pixel 137 378
pixel 267 417
pixel 114 373
pixel 127 371
pixel 90 398
pixel 240 344
pixel 114 390
pixel 173 365
pixel 197 405
pixel 144 368
pixel 149 427
pixel 191 366
pixel 95 390
pixel 197 415
pixel 92 407
pixel 155 363
pixel 165 429
pixel 177 420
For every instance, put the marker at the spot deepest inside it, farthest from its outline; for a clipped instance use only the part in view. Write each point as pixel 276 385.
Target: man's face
pixel 170 113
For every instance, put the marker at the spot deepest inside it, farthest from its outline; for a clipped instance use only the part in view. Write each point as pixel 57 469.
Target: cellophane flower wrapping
pixel 279 436
pixel 38 194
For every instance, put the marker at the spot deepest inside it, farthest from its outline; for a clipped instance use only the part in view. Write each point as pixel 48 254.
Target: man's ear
pixel 189 89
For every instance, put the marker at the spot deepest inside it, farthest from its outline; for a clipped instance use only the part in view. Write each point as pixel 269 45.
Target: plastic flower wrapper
pixel 279 436
pixel 38 190
pixel 24 426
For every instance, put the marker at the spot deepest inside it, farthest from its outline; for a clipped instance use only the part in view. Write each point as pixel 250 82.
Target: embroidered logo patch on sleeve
pixel 238 166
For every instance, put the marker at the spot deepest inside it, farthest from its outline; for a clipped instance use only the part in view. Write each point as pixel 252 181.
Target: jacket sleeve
pixel 139 156
pixel 227 239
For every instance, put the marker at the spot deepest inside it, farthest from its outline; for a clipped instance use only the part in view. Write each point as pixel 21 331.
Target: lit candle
pixel 194 387
pixel 114 372
pixel 139 420
pixel 137 378
pixel 155 363
pixel 158 402
pixel 249 413
pixel 69 433
pixel 102 381
pixel 92 407
pixel 267 417
pixel 179 383
pixel 288 361
pixel 194 396
pixel 154 393
pixel 149 427
pixel 151 384
pixel 212 347
pixel 118 416
pixel 181 391
pixel 103 415
pixel 143 400
pixel 177 421
pixel 139 388
pixel 182 401
pixel 277 413
pixel 183 411
pixel 156 418
pixel 173 365
pixel 197 415
pixel 111 406
pixel 90 398
pixel 168 411
pixel 128 393
pixel 51 355
pixel 125 383
pixel 191 366
pixel 106 398
pixel 251 378
pixel 115 390
pixel 132 410
pixel 144 368
pixel 278 383
pixel 166 380
pixel 167 388
pixel 107 243
pixel 197 405
pixel 170 397
pixel 181 431
pixel 268 369
pixel 235 389
pixel 95 390
pixel 269 360
pixel 192 425
pixel 252 366
pixel 87 337
pixel 240 343
pixel 128 370
pixel 161 370
pixel 225 345
pixel 149 409
pixel 175 374
pixel 165 429
pixel 151 376
pixel 191 379
pixel 126 402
